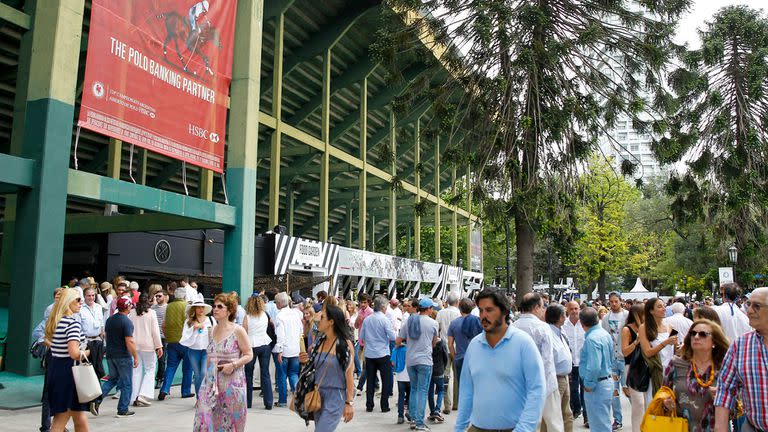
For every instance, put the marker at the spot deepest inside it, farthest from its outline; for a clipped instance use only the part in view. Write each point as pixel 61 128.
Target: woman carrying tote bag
pixel 637 373
pixel 65 336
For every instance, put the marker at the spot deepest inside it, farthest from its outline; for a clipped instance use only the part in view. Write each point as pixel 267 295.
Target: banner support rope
pixel 77 139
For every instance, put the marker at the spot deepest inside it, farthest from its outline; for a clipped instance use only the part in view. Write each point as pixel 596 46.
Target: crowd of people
pixel 489 364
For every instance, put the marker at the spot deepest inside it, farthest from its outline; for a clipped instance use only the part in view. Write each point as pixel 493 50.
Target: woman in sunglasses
pixel 693 375
pixel 221 404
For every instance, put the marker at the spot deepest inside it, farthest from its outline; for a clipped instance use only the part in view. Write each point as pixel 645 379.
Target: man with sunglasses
pixel 160 306
pixel 745 371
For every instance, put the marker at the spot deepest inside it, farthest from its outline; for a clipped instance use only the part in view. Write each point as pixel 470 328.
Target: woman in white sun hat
pixel 195 337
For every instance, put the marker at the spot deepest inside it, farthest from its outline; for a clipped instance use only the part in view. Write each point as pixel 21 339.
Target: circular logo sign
pixel 162 251
pixel 98 89
pixel 215 138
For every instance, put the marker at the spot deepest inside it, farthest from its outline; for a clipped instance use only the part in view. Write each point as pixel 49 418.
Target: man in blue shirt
pixel 502 378
pixel 461 331
pixel 595 369
pixel 375 335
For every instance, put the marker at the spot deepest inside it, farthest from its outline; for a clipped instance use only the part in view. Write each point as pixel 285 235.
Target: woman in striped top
pixel 64 334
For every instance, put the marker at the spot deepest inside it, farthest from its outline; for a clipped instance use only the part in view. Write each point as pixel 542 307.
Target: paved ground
pixel 177 415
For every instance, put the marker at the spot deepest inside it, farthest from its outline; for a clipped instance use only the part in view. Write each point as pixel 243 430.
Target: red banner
pixel 158 74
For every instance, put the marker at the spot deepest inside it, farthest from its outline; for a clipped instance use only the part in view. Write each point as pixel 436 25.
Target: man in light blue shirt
pixel 595 369
pixel 375 335
pixel 502 378
pixel 555 317
pixel 532 322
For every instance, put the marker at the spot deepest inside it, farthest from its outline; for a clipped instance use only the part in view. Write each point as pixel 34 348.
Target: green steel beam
pixel 242 148
pixel 380 100
pixel 97 224
pixel 392 223
pixel 326 37
pixel 454 222
pixel 277 112
pixel 353 74
pixel 296 171
pixel 51 57
pixel 436 175
pixel 412 116
pixel 17 171
pixel 363 176
pixel 273 8
pixel 105 189
pixel 416 162
pixel 14 16
pixel 168 171
pixel 325 161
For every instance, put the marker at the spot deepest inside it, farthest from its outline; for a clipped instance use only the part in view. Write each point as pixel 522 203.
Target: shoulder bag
pixel 86 381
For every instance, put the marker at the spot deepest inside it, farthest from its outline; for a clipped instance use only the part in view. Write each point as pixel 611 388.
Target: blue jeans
pixel 289 369
pixel 597 404
pixel 436 386
pixel 420 376
pixel 618 370
pixel 177 353
pixel 197 359
pixel 403 391
pixel 358 367
pixel 260 354
pixel 120 375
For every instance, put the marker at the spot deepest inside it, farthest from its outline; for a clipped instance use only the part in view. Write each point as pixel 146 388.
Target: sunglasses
pixel 754 305
pixel 79 300
pixel 702 334
pixel 219 306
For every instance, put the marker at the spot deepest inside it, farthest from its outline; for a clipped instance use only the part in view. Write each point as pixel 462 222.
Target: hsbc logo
pixel 198 132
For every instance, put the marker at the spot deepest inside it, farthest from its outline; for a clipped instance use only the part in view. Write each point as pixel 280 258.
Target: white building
pixel 628 144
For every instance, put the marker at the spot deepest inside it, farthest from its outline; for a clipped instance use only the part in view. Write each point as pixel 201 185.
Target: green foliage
pixel 719 126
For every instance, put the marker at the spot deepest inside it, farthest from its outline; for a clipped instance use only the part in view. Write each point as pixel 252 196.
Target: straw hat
pixel 200 301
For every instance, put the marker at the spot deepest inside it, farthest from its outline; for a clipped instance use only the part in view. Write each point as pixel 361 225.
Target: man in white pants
pixel 532 322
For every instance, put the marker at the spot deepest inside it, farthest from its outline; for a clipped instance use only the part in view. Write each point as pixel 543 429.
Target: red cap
pixel 124 303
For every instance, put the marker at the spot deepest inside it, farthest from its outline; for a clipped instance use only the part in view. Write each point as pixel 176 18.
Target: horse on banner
pixel 179 28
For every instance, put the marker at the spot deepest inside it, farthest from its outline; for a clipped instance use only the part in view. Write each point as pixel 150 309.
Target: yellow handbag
pixel 654 419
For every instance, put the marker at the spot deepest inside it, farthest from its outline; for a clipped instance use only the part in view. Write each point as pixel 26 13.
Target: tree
pixel 604 245
pixel 539 86
pixel 720 128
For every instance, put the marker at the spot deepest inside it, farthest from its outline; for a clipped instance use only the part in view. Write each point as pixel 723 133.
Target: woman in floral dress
pixel 221 406
pixel 693 375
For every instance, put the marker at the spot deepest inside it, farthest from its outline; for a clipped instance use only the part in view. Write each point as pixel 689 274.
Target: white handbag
pixel 86 381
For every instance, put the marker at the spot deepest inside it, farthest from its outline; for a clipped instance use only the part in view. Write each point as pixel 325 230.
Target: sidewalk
pixel 175 414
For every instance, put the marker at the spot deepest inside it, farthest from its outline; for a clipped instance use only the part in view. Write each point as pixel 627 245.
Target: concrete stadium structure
pixel 309 108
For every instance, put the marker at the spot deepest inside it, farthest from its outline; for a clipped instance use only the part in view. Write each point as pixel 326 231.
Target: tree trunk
pixel 524 240
pixel 601 285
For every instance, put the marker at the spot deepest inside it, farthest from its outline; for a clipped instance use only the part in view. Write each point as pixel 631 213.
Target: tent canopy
pixel 638 287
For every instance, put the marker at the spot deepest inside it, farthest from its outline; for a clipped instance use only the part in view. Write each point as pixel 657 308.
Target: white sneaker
pixel 144 400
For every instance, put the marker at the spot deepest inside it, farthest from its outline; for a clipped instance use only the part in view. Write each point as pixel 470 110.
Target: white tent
pixel 638 292
pixel 638 288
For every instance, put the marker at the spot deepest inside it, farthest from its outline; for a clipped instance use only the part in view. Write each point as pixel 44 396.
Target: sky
pixel 703 10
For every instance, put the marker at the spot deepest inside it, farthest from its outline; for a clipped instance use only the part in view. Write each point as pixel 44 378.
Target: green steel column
pixel 17 138
pixel 206 185
pixel 417 173
pixel 392 192
pixel 243 148
pixel 41 210
pixel 115 160
pixel 326 159
pixel 141 170
pixel 468 262
pixel 454 222
pixel 277 110
pixel 363 210
pixel 349 224
pixel 437 194
pixel 291 208
pixel 372 247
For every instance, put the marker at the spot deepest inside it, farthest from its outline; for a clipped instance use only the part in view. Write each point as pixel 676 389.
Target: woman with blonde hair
pixel 693 375
pixel 64 334
pixel 256 324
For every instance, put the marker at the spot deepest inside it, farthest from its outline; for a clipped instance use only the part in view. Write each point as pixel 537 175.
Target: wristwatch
pixel 350 403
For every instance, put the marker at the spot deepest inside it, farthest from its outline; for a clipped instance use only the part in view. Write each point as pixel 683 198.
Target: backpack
pixel 271 332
